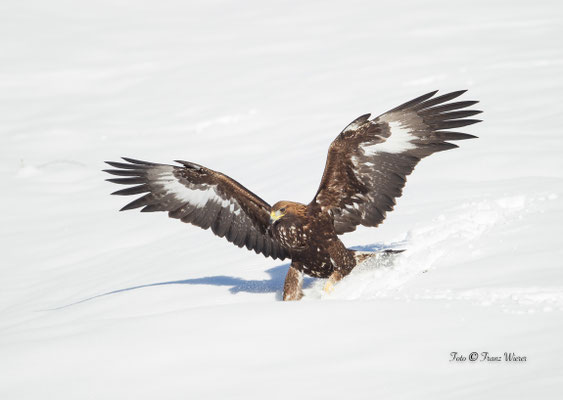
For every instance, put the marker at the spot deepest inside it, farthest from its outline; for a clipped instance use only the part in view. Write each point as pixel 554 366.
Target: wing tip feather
pixel 128 207
pixel 135 161
pixel 133 190
pixel 189 164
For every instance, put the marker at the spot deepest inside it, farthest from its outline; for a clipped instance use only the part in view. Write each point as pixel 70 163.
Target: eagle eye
pixel 282 210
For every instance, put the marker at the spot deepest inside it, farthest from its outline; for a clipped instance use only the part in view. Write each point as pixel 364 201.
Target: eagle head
pixel 282 208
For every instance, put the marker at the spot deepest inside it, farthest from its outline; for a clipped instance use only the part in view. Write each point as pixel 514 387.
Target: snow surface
pixel 106 305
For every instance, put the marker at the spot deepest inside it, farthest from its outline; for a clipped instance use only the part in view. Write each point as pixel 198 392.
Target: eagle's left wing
pixel 200 196
pixel 369 161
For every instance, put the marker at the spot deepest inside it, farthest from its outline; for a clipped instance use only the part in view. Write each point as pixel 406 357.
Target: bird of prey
pixel 365 172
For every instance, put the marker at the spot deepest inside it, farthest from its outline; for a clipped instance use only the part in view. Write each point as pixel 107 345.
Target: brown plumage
pixel 365 172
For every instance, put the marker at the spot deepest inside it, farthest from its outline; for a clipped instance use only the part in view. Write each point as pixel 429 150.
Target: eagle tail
pixel 363 256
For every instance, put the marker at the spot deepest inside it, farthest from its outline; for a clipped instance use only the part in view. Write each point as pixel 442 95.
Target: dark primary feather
pixel 200 196
pixel 369 161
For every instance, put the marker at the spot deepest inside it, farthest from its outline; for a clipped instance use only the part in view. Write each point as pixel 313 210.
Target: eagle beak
pixel 275 215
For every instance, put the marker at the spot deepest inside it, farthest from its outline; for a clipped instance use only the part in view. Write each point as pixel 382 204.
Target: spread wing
pixel 369 161
pixel 202 197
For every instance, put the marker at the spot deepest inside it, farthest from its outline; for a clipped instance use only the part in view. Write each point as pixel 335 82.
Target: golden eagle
pixel 365 172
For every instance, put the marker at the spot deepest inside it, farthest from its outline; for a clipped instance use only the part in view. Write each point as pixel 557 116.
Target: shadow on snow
pixel 273 284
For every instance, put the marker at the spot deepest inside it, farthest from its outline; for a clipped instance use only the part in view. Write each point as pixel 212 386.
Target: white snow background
pixel 97 304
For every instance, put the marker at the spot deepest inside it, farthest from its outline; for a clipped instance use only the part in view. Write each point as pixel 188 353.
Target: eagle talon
pixel 329 287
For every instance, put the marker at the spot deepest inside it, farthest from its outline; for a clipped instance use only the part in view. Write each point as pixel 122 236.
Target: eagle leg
pixel 332 279
pixel 292 287
pixel 343 261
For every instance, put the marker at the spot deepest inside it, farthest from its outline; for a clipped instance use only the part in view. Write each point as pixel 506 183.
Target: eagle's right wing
pixel 202 197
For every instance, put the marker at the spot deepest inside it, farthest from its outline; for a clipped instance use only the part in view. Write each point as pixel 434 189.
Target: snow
pixel 101 304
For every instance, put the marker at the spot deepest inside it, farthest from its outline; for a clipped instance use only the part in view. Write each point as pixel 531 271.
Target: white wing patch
pixel 195 197
pixel 398 142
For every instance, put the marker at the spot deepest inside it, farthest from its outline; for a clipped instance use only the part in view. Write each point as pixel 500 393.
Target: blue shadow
pixel 274 284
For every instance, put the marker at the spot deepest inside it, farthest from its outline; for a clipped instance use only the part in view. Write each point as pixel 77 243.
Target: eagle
pixel 365 172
